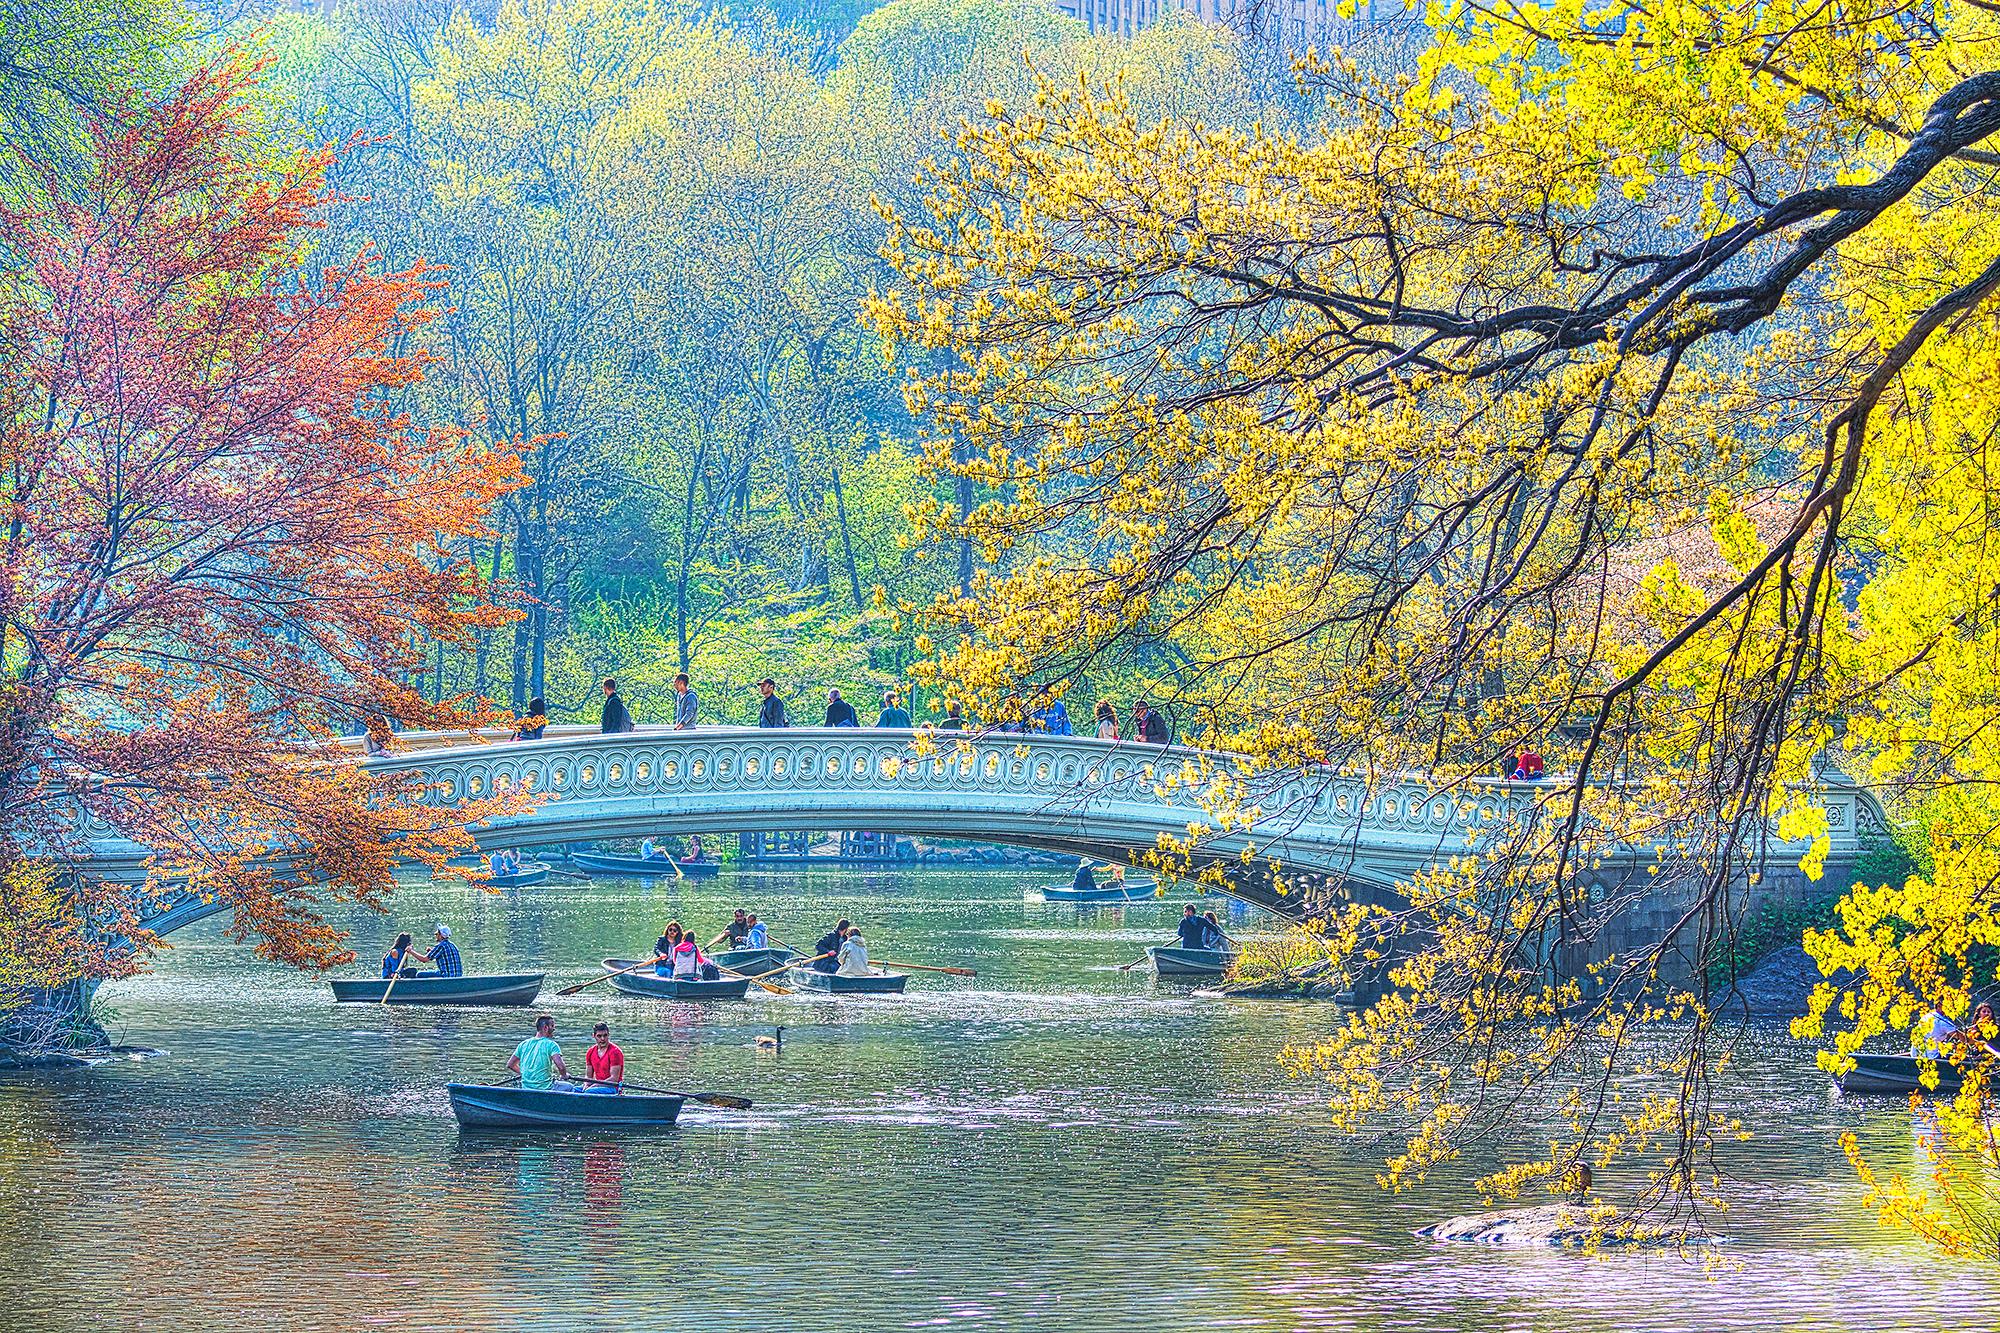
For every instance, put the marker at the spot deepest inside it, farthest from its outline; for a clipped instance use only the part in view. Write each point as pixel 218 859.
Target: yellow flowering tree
pixel 1613 386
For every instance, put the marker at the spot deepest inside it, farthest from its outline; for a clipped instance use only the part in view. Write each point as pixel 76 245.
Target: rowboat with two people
pixel 1116 891
pixel 638 977
pixel 497 992
pixel 1940 1045
pixel 644 867
pixel 1203 950
pixel 840 966
pixel 506 870
pixel 547 1099
pixel 402 982
pixel 754 962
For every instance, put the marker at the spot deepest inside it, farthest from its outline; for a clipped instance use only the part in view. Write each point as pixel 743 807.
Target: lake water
pixel 1053 1144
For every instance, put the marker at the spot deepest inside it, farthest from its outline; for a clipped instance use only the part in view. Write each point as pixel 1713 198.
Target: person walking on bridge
pixel 771 709
pixel 685 703
pixel 893 717
pixel 617 717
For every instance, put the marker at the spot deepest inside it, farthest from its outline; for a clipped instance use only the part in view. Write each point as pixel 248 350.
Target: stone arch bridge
pixel 1071 794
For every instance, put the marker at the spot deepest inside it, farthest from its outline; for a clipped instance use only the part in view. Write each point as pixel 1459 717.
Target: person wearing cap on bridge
pixel 444 955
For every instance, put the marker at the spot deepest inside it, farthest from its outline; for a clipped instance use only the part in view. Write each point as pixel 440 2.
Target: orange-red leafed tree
pixel 224 541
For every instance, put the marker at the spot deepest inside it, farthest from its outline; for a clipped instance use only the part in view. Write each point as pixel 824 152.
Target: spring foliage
pixel 225 541
pixel 1612 383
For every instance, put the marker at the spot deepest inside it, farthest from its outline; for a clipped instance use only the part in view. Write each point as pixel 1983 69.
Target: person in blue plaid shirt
pixel 444 955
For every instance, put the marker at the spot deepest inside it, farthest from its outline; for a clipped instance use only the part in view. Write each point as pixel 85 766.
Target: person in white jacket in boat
pixel 854 955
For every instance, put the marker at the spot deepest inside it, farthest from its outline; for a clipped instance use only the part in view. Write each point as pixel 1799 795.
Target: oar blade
pixel 720 1099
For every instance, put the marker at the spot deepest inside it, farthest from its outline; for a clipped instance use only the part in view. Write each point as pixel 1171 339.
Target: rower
pixel 1084 881
pixel 1193 930
pixel 756 937
pixel 539 1062
pixel 444 955
pixel 605 1061
pixel 1939 1033
pixel 829 945
pixel 854 955
pixel 737 930
pixel 652 851
pixel 397 960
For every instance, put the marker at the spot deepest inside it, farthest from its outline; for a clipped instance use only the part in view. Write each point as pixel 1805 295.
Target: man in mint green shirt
pixel 539 1062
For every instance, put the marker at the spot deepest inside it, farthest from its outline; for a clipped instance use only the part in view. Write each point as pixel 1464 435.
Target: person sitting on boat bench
pixel 690 964
pixel 829 944
pixel 854 955
pixel 444 956
pixel 756 937
pixel 652 851
pixel 539 1062
pixel 1084 881
pixel 605 1061
pixel 663 949
pixel 737 930
pixel 398 958
pixel 1216 939
pixel 1193 930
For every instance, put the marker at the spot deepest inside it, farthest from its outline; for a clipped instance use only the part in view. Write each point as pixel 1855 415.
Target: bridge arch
pixel 1068 794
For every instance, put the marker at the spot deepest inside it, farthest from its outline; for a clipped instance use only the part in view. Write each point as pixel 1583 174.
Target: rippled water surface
pixel 1054 1144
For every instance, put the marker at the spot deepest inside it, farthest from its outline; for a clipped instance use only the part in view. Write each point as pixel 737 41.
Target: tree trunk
pixel 847 541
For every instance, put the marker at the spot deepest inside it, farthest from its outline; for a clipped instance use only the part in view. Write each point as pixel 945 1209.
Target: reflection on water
pixel 1053 1144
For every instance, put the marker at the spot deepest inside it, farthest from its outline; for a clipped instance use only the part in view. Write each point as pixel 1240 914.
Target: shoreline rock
pixel 1563 1225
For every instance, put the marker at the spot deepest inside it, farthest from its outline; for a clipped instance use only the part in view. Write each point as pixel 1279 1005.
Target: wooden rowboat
pixel 876 983
pixel 1169 961
pixel 1897 1075
pixel 644 867
pixel 754 962
pixel 531 872
pixel 654 986
pixel 485 1106
pixel 1125 891
pixel 495 992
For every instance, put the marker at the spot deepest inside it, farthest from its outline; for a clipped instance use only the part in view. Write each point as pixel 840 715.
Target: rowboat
pixel 531 872
pixel 753 962
pixel 654 986
pixel 645 867
pixel 1169 961
pixel 495 992
pixel 486 1106
pixel 875 983
pixel 1894 1074
pixel 1118 891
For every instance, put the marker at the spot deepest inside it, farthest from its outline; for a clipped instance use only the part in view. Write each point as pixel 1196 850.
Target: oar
pixel 755 981
pixel 394 979
pixel 1136 961
pixel 920 967
pixel 706 1098
pixel 717 940
pixel 649 962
